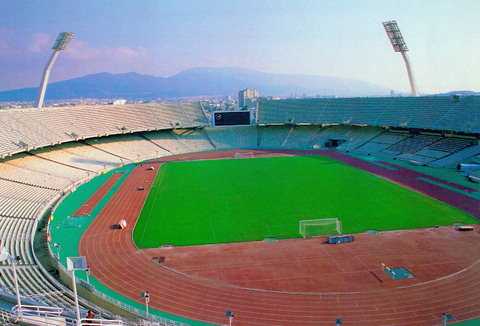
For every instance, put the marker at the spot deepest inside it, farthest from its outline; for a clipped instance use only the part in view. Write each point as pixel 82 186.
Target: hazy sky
pixel 341 38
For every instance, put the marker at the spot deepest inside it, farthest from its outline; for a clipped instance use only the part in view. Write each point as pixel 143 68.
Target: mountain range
pixel 196 82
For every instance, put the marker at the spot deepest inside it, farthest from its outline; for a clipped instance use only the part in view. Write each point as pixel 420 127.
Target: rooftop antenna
pixel 399 45
pixel 60 44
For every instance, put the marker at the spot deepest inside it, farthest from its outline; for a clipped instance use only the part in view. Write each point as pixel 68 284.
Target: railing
pixel 43 311
pixel 100 322
pixel 155 320
pixel 6 318
pixel 51 316
pixel 35 315
pixel 144 322
pixel 42 321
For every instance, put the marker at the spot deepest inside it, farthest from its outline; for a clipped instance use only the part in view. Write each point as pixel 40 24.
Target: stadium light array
pixel 398 42
pixel 395 36
pixel 60 44
pixel 62 41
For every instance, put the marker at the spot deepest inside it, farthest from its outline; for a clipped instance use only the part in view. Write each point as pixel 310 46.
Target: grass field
pixel 221 201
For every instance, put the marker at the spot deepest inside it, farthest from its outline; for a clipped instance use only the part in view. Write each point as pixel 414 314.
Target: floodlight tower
pixel 60 44
pixel 399 45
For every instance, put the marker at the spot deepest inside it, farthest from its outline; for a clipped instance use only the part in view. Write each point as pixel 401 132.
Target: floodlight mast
pixel 399 45
pixel 60 44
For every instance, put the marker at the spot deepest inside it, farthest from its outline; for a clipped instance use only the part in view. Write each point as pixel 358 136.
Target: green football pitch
pixel 232 200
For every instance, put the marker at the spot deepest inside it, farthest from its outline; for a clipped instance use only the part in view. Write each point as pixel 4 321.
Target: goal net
pixel 320 227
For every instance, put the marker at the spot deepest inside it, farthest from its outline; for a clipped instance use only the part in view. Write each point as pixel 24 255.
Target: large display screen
pixel 231 118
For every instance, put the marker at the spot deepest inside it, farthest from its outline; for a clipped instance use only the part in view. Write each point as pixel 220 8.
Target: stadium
pixel 229 223
pixel 292 212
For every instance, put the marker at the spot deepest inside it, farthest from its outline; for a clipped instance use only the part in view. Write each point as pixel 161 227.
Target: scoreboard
pixel 231 118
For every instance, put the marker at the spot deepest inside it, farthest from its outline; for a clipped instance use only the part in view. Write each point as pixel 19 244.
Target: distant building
pixel 247 98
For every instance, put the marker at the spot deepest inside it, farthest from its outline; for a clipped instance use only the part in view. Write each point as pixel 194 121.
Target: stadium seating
pixel 16 235
pixel 349 137
pixel 128 147
pixel 429 112
pixel 272 137
pixel 451 145
pixel 411 144
pixel 36 182
pixel 438 149
pixel 476 159
pixel 66 158
pixel 301 137
pixel 86 157
pixel 453 159
pixel 233 137
pixel 196 140
pixel 25 192
pixel 167 141
pixel 26 176
pixel 54 174
pixel 382 142
pixel 357 136
pixel 45 152
pixel 32 128
pixel 429 149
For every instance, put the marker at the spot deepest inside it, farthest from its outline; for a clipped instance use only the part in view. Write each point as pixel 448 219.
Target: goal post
pixel 320 227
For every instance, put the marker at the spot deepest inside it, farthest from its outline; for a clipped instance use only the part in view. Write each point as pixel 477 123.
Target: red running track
pixel 122 267
pixel 312 266
pixel 89 205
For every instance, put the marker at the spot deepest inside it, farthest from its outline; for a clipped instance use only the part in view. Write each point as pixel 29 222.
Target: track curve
pixel 115 261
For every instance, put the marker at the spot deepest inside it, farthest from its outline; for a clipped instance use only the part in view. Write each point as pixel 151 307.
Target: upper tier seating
pixel 23 129
pixel 430 112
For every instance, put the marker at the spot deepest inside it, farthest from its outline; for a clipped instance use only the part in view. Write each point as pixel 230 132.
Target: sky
pixel 341 38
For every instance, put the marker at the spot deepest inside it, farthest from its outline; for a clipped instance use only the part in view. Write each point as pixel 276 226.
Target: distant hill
pixel 196 82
